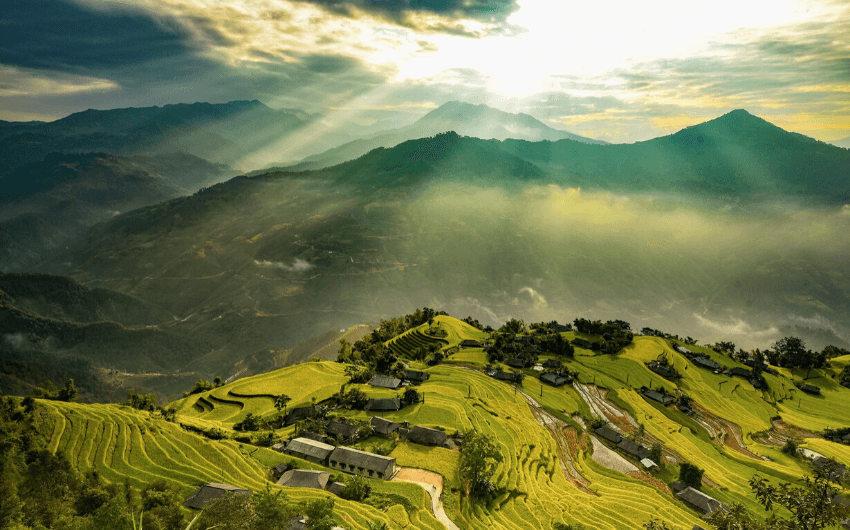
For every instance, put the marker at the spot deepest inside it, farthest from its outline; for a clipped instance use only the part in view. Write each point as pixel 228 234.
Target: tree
pixel 356 489
pixel 231 511
pixel 320 514
pixel 410 396
pixel 281 401
pixel 812 506
pixel 690 475
pixel 655 453
pixel 479 456
pixel 792 353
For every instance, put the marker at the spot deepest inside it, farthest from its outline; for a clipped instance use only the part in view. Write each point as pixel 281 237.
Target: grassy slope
pixel 125 444
pixel 128 446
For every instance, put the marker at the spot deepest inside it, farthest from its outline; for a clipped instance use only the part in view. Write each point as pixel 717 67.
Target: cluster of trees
pixel 202 386
pixel 557 344
pixel 48 390
pixel 791 352
pixel 140 400
pixel 691 475
pixel 844 376
pixel 616 334
pixel 477 325
pixel 264 511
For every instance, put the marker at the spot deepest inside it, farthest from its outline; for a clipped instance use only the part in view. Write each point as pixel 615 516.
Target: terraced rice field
pixel 128 446
pixel 456 331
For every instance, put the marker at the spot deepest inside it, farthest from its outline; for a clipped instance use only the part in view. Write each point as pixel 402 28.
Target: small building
pixel 821 463
pixel 505 376
pixel 699 501
pixel 211 491
pixel 304 478
pixel 649 465
pixel 382 426
pixel 280 469
pixel 359 462
pixel 279 447
pixel 581 343
pixel 385 381
pixel 426 436
pixel 638 451
pixel 336 488
pixel 309 450
pixel 809 389
pixel 310 435
pixel 298 414
pixel 684 351
pixel 515 363
pixel 346 431
pixel 468 343
pixel 490 370
pixel 383 404
pixel 740 372
pixel 553 379
pixel 415 376
pixel 663 370
pixel 552 363
pixel 609 434
pixel 657 396
pixel 705 362
pixel 677 486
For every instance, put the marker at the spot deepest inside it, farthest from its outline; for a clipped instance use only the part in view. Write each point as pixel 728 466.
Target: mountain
pixel 844 142
pixel 479 121
pixel 45 204
pixel 737 155
pixel 223 133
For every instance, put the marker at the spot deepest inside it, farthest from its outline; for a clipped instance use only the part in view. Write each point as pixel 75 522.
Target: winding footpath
pixel 433 484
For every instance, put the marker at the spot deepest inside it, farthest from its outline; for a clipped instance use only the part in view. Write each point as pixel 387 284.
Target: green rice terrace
pixel 556 469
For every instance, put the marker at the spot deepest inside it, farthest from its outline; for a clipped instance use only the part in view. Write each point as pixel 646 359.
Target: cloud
pixel 17 341
pixel 299 265
pixel 397 10
pixel 21 81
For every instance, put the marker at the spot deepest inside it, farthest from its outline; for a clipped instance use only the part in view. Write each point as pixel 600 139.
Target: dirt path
pixel 782 432
pixel 433 484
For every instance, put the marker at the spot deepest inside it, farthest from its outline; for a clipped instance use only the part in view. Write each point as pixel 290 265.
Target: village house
pixel 657 396
pixel 415 376
pixel 705 362
pixel 553 379
pixel 699 501
pixel 299 414
pixel 426 436
pixel 740 372
pixel 506 376
pixel 280 469
pixel 683 350
pixel 609 434
pixel 310 435
pixel 336 488
pixel 385 381
pixel 629 447
pixel 211 491
pixel 677 486
pixel 809 389
pixel 346 431
pixel 359 462
pixel 581 343
pixel 515 363
pixel 468 343
pixel 552 363
pixel 382 426
pixel 649 465
pixel 663 370
pixel 822 463
pixel 304 478
pixel 309 450
pixel 383 404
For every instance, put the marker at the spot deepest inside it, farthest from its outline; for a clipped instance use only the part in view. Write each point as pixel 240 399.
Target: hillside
pixel 48 203
pixel 553 462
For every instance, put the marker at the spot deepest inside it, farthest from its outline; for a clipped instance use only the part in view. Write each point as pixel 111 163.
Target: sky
pixel 616 70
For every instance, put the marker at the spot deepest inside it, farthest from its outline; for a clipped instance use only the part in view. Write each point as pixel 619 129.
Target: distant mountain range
pixel 844 142
pixel 479 121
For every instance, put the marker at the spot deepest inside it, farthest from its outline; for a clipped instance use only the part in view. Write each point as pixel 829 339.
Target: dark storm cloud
pixel 486 10
pixel 61 35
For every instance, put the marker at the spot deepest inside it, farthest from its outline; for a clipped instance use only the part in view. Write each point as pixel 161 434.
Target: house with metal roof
pixel 663 370
pixel 309 450
pixel 304 478
pixel 280 469
pixel 359 462
pixel 468 343
pixel 609 434
pixel 553 379
pixel 699 501
pixel 740 372
pixel 677 486
pixel 415 376
pixel 426 436
pixel 382 426
pixel 336 488
pixel 648 464
pixel 385 381
pixel 552 363
pixel 683 350
pixel 515 363
pixel 211 491
pixel 383 404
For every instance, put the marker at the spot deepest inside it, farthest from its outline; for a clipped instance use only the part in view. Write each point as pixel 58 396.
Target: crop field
pixel 456 331
pixel 128 446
